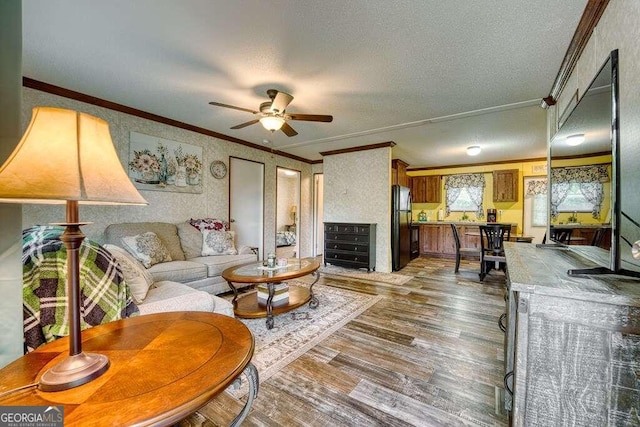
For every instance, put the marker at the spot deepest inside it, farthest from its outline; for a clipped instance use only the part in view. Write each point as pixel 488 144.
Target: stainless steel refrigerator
pixel 400 226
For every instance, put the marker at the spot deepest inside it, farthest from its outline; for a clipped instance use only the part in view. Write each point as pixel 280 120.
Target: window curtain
pixel 589 178
pixel 536 186
pixel 473 182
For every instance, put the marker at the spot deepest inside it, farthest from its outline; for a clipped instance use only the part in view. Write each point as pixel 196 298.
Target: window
pixel 539 210
pixel 464 193
pixel 463 202
pixel 575 201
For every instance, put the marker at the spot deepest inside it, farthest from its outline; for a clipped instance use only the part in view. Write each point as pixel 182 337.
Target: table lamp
pixel 68 157
pixel 294 210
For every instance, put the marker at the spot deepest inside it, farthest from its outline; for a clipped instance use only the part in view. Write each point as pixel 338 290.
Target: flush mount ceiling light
pixel 574 140
pixel 272 123
pixel 473 150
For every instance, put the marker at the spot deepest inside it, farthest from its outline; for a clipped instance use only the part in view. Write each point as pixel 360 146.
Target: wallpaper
pixel 357 188
pixel 170 206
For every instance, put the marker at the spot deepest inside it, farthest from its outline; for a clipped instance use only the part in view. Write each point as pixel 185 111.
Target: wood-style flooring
pixel 429 354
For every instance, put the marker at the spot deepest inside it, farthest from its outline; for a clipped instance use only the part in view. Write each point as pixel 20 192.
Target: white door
pixel 318 200
pixel 246 202
pixel 534 221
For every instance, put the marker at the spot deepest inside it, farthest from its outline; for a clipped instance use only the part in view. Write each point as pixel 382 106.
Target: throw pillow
pixel 216 242
pixel 135 275
pixel 209 224
pixel 146 248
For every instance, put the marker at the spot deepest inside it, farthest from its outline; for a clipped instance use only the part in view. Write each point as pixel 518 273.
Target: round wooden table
pixel 163 368
pixel 248 306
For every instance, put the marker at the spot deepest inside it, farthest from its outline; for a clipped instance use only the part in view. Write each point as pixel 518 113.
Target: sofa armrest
pixel 242 250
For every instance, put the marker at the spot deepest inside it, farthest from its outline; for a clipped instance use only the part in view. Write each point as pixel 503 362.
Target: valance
pixel 536 186
pixel 464 180
pixel 580 174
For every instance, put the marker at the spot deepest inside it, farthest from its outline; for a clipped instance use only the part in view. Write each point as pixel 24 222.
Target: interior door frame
pixel 262 221
pixel 318 213
pixel 297 204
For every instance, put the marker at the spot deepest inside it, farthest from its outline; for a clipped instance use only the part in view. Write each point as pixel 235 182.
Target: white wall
pixel 619 28
pixel 169 206
pixel 357 188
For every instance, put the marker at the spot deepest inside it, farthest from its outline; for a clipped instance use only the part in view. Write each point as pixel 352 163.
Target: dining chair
pixel 559 235
pixel 460 251
pixel 598 236
pixel 492 239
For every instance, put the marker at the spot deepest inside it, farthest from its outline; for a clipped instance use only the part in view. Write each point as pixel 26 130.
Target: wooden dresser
pixel 350 245
pixel 572 353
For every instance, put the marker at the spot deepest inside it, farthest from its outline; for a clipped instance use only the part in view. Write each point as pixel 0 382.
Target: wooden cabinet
pixel 426 189
pixel 571 342
pixel 350 245
pixel 505 185
pixel 399 173
pixel 437 239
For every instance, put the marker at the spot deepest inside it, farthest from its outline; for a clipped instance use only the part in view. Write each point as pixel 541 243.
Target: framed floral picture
pixel 163 165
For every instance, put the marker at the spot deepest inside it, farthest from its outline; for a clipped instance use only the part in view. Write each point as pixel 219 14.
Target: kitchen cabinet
pixel 436 239
pixel 571 342
pixel 505 185
pixel 399 173
pixel 426 189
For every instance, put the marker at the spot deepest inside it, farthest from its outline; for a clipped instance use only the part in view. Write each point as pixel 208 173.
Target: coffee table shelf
pixel 247 306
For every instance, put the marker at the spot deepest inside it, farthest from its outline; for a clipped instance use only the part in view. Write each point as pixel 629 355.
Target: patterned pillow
pixel 146 248
pixel 135 275
pixel 216 242
pixel 209 224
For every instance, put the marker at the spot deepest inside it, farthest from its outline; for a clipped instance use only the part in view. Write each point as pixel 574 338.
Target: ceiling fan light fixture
pixel 272 123
pixel 574 140
pixel 473 150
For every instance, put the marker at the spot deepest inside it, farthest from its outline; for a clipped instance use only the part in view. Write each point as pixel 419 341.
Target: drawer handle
pixel 355 249
pixel 335 246
pixel 356 239
pixel 506 382
pixel 355 259
pixel 501 321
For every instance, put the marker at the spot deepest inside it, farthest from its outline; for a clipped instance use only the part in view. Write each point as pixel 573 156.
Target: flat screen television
pixel 587 144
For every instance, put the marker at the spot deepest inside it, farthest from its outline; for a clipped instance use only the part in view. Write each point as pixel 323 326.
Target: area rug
pixel 297 331
pixel 389 278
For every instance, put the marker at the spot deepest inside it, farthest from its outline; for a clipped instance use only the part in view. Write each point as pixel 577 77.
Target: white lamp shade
pixel 272 123
pixel 574 140
pixel 473 150
pixel 66 155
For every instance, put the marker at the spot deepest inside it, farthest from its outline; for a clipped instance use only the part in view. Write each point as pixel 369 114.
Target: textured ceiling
pixel 432 76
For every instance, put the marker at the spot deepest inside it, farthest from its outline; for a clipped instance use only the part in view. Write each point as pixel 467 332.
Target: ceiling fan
pixel 273 114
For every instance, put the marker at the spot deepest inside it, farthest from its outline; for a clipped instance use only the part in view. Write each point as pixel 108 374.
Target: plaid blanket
pixel 104 296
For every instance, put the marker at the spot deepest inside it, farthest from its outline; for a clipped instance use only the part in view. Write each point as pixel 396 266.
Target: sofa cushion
pixel 190 240
pixel 171 296
pixel 209 224
pixel 217 264
pixel 166 232
pixel 135 275
pixel 146 248
pixel 216 242
pixel 178 271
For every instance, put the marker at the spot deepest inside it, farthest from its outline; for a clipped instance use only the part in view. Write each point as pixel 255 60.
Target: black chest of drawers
pixel 350 245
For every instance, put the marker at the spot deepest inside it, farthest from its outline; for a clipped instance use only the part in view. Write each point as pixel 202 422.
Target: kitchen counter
pixel 436 237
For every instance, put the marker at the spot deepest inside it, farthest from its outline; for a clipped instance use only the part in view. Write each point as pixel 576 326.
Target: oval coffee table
pixel 248 306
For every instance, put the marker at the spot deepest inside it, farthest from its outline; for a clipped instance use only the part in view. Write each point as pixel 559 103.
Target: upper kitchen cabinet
pixel 505 185
pixel 399 173
pixel 426 189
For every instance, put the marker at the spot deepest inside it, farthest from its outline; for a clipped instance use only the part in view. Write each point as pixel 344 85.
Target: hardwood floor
pixel 430 353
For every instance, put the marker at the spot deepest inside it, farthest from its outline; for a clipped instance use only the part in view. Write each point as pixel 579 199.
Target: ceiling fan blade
pixel 310 117
pixel 280 102
pixel 219 104
pixel 288 130
pixel 245 124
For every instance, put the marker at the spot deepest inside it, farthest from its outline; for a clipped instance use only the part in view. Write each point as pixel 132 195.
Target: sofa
pixel 187 265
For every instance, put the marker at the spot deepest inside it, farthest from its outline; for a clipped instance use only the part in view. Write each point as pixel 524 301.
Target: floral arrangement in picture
pixel 160 164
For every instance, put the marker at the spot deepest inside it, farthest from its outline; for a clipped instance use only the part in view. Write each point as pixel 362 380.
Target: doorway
pixel 246 202
pixel 534 218
pixel 287 213
pixel 318 213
